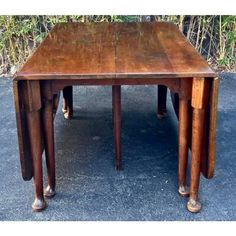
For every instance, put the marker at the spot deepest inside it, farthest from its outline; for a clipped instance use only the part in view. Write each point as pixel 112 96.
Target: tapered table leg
pixel 199 100
pixel 56 99
pixel 49 147
pixel 67 106
pixel 161 101
pixel 184 121
pixel 113 92
pixel 197 138
pixel 116 96
pixel 34 129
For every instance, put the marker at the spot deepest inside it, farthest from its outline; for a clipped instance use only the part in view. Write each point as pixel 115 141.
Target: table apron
pixel 172 83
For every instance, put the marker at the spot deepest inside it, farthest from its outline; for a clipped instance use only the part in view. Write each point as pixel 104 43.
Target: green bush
pixel 213 36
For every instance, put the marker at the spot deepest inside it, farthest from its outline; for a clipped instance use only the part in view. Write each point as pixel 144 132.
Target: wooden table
pixel 115 54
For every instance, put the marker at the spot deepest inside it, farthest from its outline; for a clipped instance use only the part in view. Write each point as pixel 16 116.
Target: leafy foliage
pixel 213 36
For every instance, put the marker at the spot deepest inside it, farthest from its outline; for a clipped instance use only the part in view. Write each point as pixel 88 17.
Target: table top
pixel 115 50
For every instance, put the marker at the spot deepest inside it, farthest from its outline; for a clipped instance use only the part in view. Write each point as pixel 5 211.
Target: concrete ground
pixel 88 186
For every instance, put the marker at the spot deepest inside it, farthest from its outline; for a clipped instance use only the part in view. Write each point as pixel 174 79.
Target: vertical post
pixel 161 101
pixel 56 98
pixel 48 130
pixel 200 91
pixel 113 99
pixel 32 104
pixel 67 107
pixel 184 124
pixel 116 101
pixel 197 134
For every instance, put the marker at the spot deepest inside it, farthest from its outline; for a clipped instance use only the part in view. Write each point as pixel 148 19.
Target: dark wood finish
pixel 161 101
pixel 67 106
pixel 34 127
pixel 115 50
pixel 33 117
pixel 48 130
pixel 208 155
pixel 175 102
pixel 113 92
pixel 116 96
pixel 56 99
pixel 22 132
pixel 112 54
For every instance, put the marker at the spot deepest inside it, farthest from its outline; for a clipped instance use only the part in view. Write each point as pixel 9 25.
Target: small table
pixel 115 54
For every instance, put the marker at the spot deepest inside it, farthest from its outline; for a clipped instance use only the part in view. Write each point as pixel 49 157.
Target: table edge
pixel 25 76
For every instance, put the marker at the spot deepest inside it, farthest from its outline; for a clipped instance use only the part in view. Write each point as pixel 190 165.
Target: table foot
pixel 161 101
pixel 118 167
pixel 183 141
pixel 183 190
pixel 49 192
pixel 63 110
pixel 67 114
pixel 161 114
pixel 198 116
pixel 38 205
pixel 67 105
pixel 194 206
pixel 35 137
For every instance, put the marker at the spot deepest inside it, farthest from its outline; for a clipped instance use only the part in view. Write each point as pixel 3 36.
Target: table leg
pixel 184 122
pixel 49 147
pixel 116 96
pixel 113 92
pixel 200 93
pixel 56 99
pixel 197 133
pixel 34 129
pixel 161 101
pixel 67 106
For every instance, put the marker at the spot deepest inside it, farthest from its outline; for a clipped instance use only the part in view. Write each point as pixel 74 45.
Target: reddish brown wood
pixel 112 54
pixel 113 99
pixel 200 92
pixel 115 50
pixel 197 134
pixel 116 90
pixel 208 152
pixel 34 132
pixel 56 99
pixel 212 127
pixel 184 125
pixel 48 129
pixel 32 103
pixel 22 132
pixel 67 106
pixel 34 127
pixel 172 83
pixel 161 101
pixel 208 156
pixel 199 101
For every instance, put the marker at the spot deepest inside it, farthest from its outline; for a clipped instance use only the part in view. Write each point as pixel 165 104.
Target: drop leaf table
pixel 115 54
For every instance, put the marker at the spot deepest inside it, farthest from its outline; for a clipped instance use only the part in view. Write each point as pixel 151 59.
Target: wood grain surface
pixel 115 50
